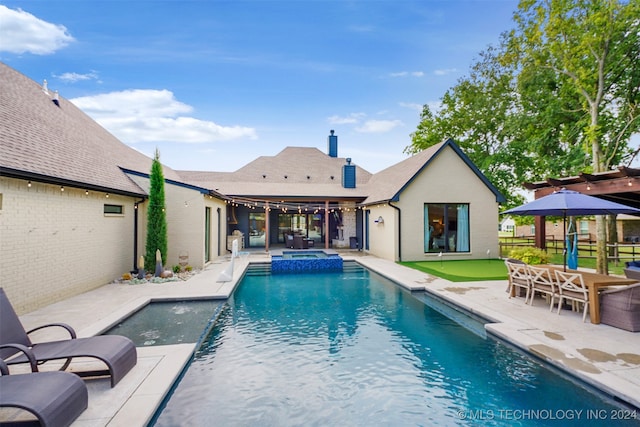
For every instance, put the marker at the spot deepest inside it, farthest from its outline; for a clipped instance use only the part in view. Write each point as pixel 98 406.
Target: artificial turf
pixel 463 270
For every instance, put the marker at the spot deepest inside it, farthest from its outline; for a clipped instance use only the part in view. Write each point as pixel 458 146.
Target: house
pixel 73 202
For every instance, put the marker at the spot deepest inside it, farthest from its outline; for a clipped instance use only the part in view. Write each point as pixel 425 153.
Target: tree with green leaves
pixel 592 47
pixel 156 217
pixel 558 96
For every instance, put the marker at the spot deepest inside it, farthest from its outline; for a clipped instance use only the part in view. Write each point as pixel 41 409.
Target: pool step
pixel 349 266
pixel 259 269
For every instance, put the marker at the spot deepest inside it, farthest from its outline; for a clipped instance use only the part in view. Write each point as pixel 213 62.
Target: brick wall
pixel 55 244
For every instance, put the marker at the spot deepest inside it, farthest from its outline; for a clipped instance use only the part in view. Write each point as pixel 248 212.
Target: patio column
pixel 326 224
pixel 541 232
pixel 266 226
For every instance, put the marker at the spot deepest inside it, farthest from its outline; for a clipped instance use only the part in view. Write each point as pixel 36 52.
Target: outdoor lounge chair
pixel 55 398
pixel 117 352
pixel 621 307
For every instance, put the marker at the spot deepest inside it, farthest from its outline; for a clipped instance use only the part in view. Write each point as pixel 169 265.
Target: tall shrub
pixel 156 217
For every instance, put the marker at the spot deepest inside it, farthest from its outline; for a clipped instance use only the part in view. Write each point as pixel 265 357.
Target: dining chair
pixel 542 281
pixel 571 286
pixel 518 277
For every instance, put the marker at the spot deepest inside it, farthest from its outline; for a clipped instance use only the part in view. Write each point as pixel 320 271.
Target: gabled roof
pixel 386 185
pixel 294 172
pixel 40 140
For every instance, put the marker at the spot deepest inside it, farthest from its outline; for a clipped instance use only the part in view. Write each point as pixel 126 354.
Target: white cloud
pixel 22 32
pixel 154 116
pixel 407 74
pixel 411 105
pixel 378 126
pixel 350 119
pixel 445 71
pixel 76 77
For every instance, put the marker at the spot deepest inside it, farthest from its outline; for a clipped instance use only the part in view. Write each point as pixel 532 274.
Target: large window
pixel 446 227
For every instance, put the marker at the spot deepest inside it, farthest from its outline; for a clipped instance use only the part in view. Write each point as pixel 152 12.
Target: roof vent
pixel 55 98
pixel 45 88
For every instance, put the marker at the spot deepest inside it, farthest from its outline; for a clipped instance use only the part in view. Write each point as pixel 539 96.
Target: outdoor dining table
pixel 594 283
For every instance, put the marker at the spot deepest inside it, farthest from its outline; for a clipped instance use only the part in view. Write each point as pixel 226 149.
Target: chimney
pixel 332 144
pixel 349 175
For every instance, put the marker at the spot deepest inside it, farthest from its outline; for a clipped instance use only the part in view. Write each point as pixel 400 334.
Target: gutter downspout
pixel 135 234
pixel 399 230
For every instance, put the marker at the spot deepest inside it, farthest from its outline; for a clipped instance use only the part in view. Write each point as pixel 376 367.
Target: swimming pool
pixel 353 348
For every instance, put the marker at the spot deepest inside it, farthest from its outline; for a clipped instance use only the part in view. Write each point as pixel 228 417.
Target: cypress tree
pixel 156 217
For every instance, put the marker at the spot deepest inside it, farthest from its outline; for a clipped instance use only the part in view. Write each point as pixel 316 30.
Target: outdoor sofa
pixel 621 307
pixel 117 352
pixel 632 270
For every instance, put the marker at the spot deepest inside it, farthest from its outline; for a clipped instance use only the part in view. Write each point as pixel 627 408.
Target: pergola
pixel 621 186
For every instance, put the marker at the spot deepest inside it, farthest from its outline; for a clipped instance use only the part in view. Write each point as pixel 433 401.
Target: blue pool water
pixel 354 349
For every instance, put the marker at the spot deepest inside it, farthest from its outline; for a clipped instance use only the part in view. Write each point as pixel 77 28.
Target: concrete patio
pixel 600 355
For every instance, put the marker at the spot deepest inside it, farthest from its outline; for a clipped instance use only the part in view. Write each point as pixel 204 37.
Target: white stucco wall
pixel 448 179
pixel 55 244
pixel 382 235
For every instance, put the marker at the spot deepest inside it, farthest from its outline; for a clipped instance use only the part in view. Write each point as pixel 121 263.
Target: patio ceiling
pixel 621 185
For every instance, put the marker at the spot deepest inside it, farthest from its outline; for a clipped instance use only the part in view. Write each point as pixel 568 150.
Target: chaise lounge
pixel 117 352
pixel 56 399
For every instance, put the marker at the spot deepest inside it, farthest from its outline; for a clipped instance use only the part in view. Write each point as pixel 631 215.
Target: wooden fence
pixel 618 252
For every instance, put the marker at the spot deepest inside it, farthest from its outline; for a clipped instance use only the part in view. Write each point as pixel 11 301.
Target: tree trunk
pixel 601 245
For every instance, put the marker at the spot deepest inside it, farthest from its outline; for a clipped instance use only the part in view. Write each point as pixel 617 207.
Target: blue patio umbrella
pixel 566 203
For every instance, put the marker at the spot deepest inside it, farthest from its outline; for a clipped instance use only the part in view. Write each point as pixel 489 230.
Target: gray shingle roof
pixel 386 184
pixel 294 172
pixel 61 142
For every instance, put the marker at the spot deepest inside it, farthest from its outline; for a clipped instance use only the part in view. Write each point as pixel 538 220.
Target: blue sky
pixel 213 84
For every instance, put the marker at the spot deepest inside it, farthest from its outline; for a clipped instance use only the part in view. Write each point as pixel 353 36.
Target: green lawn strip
pixel 462 270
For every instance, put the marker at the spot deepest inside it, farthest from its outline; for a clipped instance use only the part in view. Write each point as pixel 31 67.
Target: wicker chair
pixel 621 308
